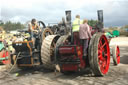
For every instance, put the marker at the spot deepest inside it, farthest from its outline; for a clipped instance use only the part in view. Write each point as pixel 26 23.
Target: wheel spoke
pixel 100 42
pixel 100 57
pixel 103 45
pixel 100 51
pixel 102 67
pixel 104 64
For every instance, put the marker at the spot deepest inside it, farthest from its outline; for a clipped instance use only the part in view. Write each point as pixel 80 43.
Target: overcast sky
pixel 51 11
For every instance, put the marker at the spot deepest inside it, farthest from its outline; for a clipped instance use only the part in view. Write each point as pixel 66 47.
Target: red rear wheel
pixel 100 55
pixel 116 55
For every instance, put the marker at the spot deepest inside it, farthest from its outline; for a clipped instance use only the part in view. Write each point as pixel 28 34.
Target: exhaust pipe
pixel 68 20
pixel 100 20
pixel 69 24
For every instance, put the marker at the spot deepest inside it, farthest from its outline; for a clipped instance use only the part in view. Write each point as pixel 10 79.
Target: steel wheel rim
pixel 118 55
pixel 103 54
pixel 47 33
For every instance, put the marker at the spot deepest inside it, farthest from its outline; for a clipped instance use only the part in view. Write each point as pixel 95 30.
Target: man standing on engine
pixel 76 24
pixel 34 29
pixel 85 34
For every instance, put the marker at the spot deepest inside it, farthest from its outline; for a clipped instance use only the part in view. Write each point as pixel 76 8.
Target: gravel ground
pixel 117 75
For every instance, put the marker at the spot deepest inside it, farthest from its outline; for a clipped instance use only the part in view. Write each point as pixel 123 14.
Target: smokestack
pixel 68 15
pixel 100 19
pixel 100 15
pixel 68 21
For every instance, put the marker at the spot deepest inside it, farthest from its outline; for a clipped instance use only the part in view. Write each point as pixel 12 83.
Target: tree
pixel 8 26
pixel 92 22
pixel 1 23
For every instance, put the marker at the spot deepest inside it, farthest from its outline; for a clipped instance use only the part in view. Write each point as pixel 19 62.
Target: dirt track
pixel 117 75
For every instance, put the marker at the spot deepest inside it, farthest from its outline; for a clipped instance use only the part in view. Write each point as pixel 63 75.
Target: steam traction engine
pixel 26 53
pixel 68 53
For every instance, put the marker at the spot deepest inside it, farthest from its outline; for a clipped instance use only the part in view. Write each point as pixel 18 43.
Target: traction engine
pixel 67 56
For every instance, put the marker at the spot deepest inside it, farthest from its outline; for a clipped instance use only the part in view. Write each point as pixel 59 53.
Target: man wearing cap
pixel 76 24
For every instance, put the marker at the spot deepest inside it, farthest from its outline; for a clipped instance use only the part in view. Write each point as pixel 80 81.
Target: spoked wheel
pixel 47 51
pixel 99 54
pixel 46 32
pixel 116 55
